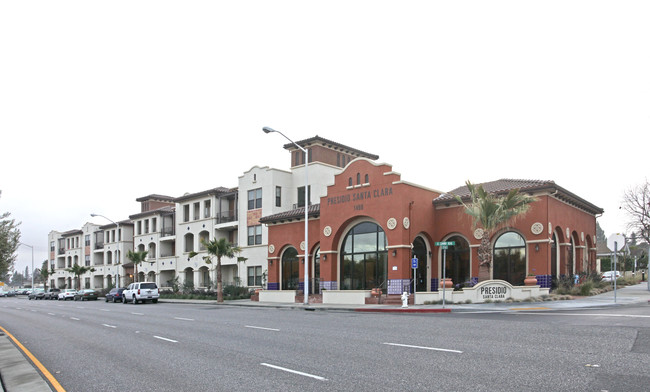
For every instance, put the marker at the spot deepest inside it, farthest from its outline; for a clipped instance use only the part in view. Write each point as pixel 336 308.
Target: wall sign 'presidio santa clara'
pixel 360 197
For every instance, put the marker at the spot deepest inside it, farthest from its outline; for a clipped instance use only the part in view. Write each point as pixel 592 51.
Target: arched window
pixel 290 269
pixel 457 262
pixel 358 178
pixel 510 258
pixel 314 285
pixel 364 258
pixel 189 242
pixel 366 179
pixel 350 181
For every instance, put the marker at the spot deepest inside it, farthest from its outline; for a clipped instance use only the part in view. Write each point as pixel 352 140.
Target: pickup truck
pixel 141 292
pixel 52 294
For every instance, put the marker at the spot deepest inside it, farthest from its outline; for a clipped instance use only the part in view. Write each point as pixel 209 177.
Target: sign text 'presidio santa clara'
pixel 360 197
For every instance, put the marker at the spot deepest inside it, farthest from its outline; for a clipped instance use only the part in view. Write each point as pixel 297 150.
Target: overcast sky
pixel 105 102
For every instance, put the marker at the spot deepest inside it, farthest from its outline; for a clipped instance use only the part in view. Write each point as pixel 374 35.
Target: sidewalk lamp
pixel 306 289
pixel 29 246
pixel 117 249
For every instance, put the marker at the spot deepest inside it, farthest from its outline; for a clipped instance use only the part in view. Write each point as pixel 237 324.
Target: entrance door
pixel 290 269
pixel 420 251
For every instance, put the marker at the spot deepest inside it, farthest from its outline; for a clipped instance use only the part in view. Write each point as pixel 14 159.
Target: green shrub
pixel 585 288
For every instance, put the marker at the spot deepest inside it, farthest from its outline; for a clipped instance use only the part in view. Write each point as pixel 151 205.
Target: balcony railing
pixel 227 216
pixel 167 231
pixel 99 245
pixel 61 251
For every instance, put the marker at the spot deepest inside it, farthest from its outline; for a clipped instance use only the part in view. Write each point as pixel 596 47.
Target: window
pixel 364 259
pixel 458 265
pixel 206 208
pixel 255 199
pixel 510 258
pixel 186 213
pixel 146 226
pixel 154 225
pixel 290 269
pixel 189 242
pixel 366 180
pixel 278 196
pixel 87 240
pixel 87 261
pixel 350 181
pixel 301 196
pixel 309 155
pixel 358 178
pixel 52 246
pixel 255 276
pixel 338 159
pixel 138 227
pixel 197 211
pixel 255 235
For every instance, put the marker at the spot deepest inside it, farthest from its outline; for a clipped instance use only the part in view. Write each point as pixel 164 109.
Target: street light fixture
pixel 117 250
pixel 29 246
pixel 306 289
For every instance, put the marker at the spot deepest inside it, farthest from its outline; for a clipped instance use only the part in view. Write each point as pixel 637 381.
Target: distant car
pixel 609 275
pixel 141 292
pixel 36 294
pixel 66 294
pixel 3 293
pixel 11 293
pixel 115 295
pixel 52 293
pixel 85 295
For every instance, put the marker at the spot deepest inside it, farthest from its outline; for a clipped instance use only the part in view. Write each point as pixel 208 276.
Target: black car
pixel 115 295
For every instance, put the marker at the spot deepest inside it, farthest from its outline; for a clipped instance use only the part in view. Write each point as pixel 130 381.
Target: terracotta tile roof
pixel 295 214
pixel 161 210
pixel 156 197
pixel 504 186
pixel 317 139
pixel 214 191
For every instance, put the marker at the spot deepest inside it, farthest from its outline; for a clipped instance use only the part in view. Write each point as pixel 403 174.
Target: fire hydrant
pixel 405 300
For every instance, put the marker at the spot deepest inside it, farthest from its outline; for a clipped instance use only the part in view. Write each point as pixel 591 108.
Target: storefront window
pixel 364 258
pixel 510 258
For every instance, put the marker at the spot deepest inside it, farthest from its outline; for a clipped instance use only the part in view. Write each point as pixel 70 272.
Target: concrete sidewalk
pixel 18 373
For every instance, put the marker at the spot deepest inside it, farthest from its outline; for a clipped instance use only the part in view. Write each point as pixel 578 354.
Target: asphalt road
pixel 180 347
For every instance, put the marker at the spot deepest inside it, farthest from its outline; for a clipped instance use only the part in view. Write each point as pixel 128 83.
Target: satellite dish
pixel 615 241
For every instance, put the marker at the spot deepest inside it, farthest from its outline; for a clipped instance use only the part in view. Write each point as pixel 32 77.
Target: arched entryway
pixel 314 284
pixel 420 251
pixel 364 258
pixel 510 258
pixel 458 262
pixel 290 269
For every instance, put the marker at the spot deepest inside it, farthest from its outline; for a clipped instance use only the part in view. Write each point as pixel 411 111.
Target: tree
pixel 79 270
pixel 218 248
pixel 491 212
pixel 601 238
pixel 137 258
pixel 9 242
pixel 636 204
pixel 45 273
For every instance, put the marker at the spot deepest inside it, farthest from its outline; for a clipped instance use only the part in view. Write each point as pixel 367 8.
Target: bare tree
pixel 636 203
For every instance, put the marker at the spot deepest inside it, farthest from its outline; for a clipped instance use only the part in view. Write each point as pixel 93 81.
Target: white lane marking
pixel 105 310
pixel 183 318
pixel 74 318
pixel 138 314
pixel 587 314
pixel 294 371
pixel 165 339
pixel 52 314
pixel 424 348
pixel 109 326
pixel 266 329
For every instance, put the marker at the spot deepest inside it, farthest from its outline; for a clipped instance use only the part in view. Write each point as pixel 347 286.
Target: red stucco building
pixel 369 226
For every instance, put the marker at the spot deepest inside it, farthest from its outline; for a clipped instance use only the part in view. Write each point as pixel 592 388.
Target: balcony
pixel 167 231
pixel 99 245
pixel 226 216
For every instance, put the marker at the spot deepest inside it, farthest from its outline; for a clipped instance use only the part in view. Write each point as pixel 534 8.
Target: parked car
pixel 36 294
pixel 52 293
pixel 115 295
pixel 608 276
pixel 141 292
pixel 66 294
pixel 3 293
pixel 85 295
pixel 11 293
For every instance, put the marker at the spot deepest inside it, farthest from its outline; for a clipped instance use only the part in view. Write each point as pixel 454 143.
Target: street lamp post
pixel 117 249
pixel 306 288
pixel 29 246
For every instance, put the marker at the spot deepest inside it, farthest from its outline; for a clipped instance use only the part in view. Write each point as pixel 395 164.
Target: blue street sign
pixel 414 262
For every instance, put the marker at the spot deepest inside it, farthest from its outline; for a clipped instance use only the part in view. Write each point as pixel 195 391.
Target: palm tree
pixel 218 248
pixel 79 270
pixel 491 212
pixel 136 258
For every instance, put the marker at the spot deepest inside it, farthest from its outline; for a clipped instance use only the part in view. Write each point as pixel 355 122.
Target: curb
pixel 402 310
